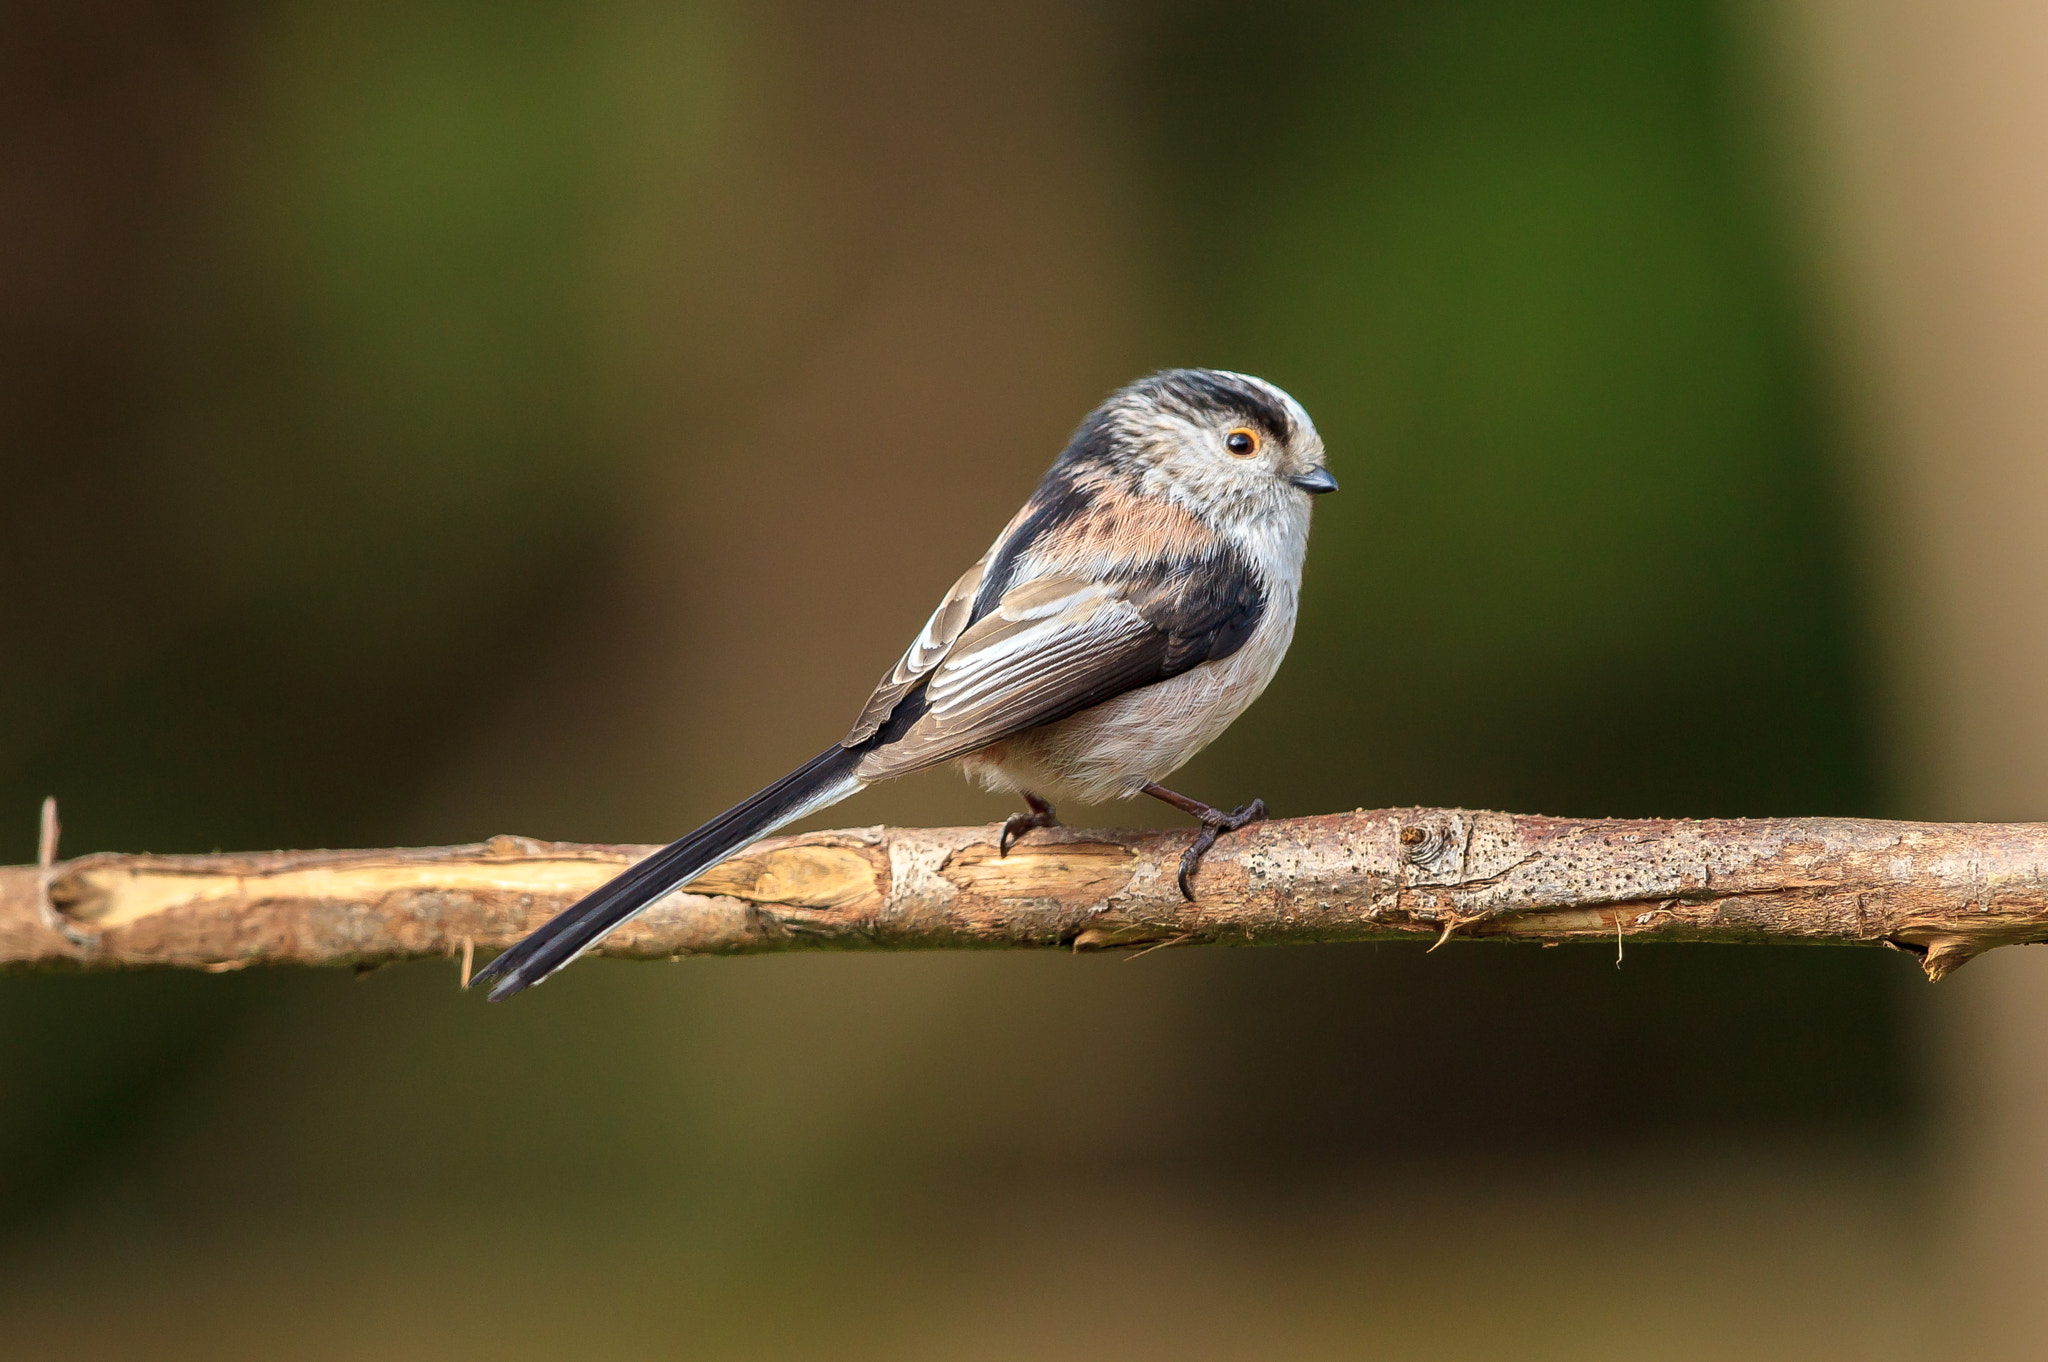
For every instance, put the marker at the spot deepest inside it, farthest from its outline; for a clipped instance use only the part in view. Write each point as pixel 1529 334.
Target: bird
pixel 1138 603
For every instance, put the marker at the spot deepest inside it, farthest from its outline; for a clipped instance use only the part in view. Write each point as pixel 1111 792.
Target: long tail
pixel 822 781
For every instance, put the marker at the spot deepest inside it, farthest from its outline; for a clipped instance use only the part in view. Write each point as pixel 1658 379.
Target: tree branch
pixel 1944 892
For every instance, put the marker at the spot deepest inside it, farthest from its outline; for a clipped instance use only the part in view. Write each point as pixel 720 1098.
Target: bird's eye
pixel 1243 442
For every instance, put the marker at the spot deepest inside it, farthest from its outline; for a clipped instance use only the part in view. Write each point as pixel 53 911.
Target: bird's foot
pixel 1214 822
pixel 1042 815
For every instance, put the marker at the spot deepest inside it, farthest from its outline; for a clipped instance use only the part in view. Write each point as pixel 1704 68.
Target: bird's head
pixel 1232 448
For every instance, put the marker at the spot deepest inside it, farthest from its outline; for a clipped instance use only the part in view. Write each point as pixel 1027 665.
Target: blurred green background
pixel 428 421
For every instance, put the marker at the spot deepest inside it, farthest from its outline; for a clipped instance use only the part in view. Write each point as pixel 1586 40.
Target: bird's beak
pixel 1315 482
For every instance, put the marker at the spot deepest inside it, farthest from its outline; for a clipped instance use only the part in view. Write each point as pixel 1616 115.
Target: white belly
pixel 1109 751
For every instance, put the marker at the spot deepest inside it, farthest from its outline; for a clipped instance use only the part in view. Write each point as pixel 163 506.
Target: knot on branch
pixel 1423 843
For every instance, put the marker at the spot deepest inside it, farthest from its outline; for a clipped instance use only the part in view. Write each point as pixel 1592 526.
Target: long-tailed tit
pixel 1138 603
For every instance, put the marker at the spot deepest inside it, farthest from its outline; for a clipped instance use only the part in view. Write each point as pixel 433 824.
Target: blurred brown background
pixel 425 421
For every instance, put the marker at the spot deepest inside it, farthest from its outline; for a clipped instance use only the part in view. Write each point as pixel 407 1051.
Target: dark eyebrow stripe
pixel 1220 394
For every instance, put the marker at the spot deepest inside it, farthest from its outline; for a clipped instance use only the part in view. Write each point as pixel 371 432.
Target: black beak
pixel 1315 482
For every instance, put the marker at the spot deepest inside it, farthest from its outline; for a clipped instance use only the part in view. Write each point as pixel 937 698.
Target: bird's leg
pixel 1042 815
pixel 1214 821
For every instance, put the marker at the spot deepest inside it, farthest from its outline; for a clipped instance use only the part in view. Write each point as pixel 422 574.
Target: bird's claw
pixel 1042 815
pixel 1215 823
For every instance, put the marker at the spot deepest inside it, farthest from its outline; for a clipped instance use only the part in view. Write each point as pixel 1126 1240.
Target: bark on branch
pixel 1944 892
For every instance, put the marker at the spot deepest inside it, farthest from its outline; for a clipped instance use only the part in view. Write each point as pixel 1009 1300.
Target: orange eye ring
pixel 1242 442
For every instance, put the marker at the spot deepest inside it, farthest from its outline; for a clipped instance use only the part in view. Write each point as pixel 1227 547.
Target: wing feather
pixel 1052 648
pixel 939 633
pixel 944 628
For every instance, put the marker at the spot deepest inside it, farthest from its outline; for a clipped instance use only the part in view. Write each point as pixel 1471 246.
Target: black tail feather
pixel 580 925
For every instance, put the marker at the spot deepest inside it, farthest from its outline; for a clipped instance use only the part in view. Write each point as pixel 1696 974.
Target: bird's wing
pixel 956 611
pixel 940 632
pixel 1055 646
